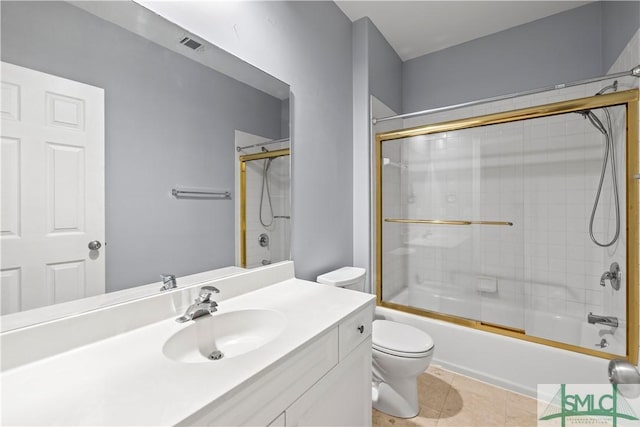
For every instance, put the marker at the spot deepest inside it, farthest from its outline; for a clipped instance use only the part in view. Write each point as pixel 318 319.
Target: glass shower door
pixel 452 224
pixel 516 223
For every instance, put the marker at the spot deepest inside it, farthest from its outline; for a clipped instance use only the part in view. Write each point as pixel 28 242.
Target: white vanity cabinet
pixel 340 398
pixel 343 396
pixel 327 383
pixel 124 360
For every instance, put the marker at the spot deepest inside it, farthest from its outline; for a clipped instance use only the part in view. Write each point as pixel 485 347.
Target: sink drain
pixel 216 355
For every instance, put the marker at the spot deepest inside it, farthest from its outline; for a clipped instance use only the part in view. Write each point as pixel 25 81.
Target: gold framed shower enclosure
pixel 629 101
pixel 243 194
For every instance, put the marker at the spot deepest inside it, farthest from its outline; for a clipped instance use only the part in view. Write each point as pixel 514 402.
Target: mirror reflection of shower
pixel 264 211
pixel 265 185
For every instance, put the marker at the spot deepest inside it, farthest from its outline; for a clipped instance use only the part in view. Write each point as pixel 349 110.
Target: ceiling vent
pixel 191 43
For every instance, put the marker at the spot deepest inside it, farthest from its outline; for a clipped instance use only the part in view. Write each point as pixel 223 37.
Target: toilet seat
pixel 398 339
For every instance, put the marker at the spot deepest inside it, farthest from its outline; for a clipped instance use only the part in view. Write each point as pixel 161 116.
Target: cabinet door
pixel 340 398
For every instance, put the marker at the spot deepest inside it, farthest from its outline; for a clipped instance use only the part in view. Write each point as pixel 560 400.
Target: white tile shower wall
pixel 254 252
pixel 461 176
pixel 280 184
pixel 548 191
pixel 535 175
pixel 394 267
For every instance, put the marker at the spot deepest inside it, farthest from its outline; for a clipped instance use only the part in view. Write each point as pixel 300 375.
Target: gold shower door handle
pixel 447 222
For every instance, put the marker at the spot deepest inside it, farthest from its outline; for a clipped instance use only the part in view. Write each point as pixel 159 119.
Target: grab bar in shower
pixel 446 222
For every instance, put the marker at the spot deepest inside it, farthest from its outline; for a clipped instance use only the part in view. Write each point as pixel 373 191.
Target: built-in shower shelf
pixel 402 251
pixel 445 237
pixel 438 241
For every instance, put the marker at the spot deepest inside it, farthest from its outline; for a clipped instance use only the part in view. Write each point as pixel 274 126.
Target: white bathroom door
pixel 52 195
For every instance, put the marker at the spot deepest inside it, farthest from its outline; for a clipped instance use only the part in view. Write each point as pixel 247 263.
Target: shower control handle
pixel 263 240
pixel 614 275
pixel 361 329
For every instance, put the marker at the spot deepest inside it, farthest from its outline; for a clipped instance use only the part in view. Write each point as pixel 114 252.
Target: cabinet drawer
pixel 354 329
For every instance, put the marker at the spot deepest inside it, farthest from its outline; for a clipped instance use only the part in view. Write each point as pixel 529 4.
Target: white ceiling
pixel 415 28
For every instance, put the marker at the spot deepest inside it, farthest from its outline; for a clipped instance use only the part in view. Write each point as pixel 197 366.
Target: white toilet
pixel 400 353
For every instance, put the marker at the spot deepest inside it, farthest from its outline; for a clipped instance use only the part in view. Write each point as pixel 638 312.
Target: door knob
pixel 95 245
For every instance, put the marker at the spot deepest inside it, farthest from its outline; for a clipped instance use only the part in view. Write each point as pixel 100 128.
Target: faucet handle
pixel 205 293
pixel 166 278
pixel 614 275
pixel 168 282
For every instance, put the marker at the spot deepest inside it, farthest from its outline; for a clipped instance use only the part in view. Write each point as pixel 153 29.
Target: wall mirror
pixel 121 140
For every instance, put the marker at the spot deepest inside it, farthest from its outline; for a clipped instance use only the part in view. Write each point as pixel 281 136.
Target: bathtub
pixel 510 363
pixel 576 331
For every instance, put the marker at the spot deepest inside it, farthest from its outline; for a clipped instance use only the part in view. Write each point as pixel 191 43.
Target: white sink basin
pixel 224 335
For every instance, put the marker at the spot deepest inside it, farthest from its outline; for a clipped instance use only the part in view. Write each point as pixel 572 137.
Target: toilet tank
pixel 345 277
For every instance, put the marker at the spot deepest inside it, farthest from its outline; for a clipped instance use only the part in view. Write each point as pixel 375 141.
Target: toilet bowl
pixel 400 353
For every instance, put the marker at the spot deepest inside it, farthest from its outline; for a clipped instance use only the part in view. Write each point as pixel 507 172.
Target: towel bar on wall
pixel 200 193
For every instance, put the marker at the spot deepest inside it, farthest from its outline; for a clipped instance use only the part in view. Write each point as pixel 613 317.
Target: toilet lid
pixel 400 339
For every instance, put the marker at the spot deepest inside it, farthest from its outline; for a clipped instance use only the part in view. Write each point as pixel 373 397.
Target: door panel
pixel 52 189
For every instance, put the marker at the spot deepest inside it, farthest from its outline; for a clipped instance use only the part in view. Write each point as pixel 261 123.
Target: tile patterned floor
pixel 452 400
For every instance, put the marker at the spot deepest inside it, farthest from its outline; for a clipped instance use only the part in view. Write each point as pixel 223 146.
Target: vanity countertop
pixel 127 380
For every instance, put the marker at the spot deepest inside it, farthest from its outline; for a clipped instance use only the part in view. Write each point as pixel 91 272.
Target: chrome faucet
pixel 168 282
pixel 202 306
pixel 602 320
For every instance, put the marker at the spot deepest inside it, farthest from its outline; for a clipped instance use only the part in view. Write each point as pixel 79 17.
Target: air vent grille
pixel 191 43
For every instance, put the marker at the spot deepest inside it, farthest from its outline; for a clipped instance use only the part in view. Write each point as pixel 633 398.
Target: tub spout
pixel 602 320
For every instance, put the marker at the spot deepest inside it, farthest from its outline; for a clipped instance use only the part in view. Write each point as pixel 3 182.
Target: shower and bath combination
pixel 545 270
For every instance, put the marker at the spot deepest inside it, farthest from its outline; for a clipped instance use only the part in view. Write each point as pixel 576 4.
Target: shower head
pixel 595 121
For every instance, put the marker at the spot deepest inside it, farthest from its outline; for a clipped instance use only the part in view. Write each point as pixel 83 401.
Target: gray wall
pixel 285 113
pixel 361 145
pixel 169 121
pixel 308 45
pixel 620 21
pixel 377 71
pixel 560 48
pixel 385 69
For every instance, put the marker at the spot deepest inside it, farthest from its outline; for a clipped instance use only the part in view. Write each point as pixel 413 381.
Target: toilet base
pixel 391 400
